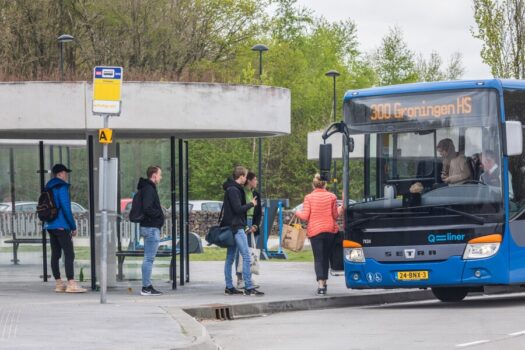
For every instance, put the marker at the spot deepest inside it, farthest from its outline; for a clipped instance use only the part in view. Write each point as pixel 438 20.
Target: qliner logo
pixel 446 237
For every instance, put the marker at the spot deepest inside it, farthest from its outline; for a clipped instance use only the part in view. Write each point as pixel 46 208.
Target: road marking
pixel 517 334
pixel 472 343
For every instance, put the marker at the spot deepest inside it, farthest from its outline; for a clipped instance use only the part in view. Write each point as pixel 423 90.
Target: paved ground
pixel 31 314
pixel 480 322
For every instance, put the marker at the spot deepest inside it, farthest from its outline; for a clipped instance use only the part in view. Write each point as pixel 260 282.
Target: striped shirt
pixel 320 210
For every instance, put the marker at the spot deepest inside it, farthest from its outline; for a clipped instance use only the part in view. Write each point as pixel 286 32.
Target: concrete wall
pixel 44 110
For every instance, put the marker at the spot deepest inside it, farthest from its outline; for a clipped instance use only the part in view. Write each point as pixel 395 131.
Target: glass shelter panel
pixel 135 157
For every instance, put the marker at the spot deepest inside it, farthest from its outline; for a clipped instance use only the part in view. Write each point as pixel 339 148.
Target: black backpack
pixel 136 214
pixel 47 209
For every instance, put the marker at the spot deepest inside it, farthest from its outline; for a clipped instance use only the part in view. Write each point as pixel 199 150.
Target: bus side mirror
pixel 514 138
pixel 325 160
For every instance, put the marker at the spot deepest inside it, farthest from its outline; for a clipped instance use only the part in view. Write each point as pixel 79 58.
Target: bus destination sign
pixel 416 107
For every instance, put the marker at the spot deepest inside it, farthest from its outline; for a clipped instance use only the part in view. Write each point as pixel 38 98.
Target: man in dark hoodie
pixel 235 209
pixel 150 225
pixel 62 230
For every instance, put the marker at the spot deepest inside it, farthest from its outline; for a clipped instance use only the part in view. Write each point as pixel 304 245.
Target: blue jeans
pixel 249 223
pixel 151 244
pixel 241 244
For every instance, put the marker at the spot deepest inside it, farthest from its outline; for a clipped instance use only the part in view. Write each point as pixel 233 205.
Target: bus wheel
pixel 453 294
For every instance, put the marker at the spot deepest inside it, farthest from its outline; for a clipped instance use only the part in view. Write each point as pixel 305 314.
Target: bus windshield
pixel 429 156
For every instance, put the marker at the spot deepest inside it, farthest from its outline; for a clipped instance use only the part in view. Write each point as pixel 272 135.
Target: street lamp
pixel 334 74
pixel 64 38
pixel 261 48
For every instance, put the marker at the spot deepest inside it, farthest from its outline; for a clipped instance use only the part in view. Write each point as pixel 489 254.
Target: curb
pixel 200 339
pixel 265 308
pixel 233 311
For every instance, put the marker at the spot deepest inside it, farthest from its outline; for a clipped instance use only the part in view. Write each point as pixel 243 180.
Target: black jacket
pixel 153 214
pixel 234 206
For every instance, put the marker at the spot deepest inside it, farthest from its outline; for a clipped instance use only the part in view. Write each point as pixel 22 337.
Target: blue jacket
pixel 65 218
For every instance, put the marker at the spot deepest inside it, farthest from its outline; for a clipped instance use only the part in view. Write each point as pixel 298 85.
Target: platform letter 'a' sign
pixel 105 136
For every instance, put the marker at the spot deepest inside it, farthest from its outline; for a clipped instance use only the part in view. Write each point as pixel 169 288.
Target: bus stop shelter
pixel 50 120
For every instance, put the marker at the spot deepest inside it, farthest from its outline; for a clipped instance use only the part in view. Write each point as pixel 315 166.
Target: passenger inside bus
pixel 491 175
pixel 455 168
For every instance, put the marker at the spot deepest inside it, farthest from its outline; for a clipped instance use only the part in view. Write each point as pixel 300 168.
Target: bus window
pixel 515 110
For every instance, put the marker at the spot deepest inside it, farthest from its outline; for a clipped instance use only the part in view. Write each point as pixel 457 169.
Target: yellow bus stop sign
pixel 107 86
pixel 105 136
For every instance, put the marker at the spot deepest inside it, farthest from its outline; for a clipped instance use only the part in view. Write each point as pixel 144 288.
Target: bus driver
pixel 455 168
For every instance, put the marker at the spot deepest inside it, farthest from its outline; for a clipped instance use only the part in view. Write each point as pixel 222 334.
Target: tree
pixel 432 70
pixel 393 60
pixel 154 39
pixel 501 27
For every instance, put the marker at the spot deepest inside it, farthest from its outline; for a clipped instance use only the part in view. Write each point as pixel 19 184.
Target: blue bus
pixel 443 184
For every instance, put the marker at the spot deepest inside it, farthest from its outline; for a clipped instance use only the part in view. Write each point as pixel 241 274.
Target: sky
pixel 428 25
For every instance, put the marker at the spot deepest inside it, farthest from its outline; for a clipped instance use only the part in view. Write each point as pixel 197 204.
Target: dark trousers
pixel 322 246
pixel 61 240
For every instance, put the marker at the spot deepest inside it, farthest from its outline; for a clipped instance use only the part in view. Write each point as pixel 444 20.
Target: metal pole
pixel 68 160
pixel 335 163
pixel 260 171
pixel 51 155
pixel 104 222
pixel 186 209
pixel 91 186
pixel 61 60
pixel 181 213
pixel 260 65
pixel 42 186
pixel 173 265
pixel 13 201
pixel 119 195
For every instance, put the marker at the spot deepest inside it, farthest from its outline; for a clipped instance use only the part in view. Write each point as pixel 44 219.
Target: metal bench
pixel 16 243
pixel 194 244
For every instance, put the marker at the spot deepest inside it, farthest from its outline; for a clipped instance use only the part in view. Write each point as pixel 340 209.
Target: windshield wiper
pixel 476 218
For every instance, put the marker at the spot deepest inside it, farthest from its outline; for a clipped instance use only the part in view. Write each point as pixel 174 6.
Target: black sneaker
pixel 253 292
pixel 150 291
pixel 232 291
pixel 321 291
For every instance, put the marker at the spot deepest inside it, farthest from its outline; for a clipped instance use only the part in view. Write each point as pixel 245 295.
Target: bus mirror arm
pixel 339 127
pixel 332 129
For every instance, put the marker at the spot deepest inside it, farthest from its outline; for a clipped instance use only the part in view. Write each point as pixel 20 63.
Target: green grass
pixel 210 254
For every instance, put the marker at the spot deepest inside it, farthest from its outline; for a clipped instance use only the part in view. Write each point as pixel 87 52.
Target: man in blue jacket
pixel 62 230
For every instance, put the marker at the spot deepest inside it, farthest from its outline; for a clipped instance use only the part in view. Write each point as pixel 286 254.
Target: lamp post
pixel 261 48
pixel 64 38
pixel 334 74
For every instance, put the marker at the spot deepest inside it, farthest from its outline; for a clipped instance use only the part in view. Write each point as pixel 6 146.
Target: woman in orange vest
pixel 321 212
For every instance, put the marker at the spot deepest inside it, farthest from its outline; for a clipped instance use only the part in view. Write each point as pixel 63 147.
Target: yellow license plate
pixel 412 275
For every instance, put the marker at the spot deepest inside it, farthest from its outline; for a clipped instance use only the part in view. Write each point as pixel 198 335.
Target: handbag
pixel 220 236
pixel 294 235
pixel 255 256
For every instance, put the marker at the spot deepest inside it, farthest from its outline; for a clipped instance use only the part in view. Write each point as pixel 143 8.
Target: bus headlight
pixel 482 247
pixel 354 254
pixel 480 250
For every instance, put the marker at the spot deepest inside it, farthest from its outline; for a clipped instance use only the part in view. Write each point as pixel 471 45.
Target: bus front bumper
pixel 452 272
